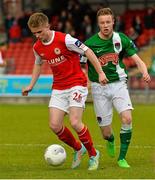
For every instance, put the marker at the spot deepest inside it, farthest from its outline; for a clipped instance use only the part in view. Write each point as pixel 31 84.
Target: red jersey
pixel 65 63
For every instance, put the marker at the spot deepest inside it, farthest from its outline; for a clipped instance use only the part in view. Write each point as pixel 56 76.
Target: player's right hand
pixel 25 91
pixel 103 80
pixel 146 77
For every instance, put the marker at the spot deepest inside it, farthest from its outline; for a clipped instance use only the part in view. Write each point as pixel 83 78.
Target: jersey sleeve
pixel 38 59
pixel 74 44
pixel 130 47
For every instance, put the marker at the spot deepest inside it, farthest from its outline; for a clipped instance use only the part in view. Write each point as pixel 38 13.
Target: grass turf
pixel 24 135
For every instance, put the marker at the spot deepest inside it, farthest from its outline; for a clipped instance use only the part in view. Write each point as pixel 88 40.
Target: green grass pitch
pixel 24 135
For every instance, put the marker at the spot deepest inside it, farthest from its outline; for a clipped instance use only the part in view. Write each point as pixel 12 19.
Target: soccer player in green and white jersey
pixel 110 47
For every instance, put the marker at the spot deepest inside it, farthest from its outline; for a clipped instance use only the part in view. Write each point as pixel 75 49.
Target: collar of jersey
pixel 53 34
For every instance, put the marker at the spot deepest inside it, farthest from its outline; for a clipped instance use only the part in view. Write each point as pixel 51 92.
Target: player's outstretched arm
pixel 94 60
pixel 35 76
pixel 141 67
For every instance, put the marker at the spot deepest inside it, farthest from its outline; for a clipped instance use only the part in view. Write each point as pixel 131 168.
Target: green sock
pixel 125 138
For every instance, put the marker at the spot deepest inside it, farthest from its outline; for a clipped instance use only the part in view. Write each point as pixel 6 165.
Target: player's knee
pixel 74 121
pixel 127 119
pixel 106 132
pixel 76 124
pixel 106 135
pixel 55 127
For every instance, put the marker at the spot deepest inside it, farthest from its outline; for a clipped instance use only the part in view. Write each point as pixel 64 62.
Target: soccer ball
pixel 55 155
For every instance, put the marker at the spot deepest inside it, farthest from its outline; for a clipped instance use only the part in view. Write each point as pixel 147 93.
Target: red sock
pixel 86 140
pixel 67 137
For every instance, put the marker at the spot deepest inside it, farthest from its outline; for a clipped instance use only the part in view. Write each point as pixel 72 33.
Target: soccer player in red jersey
pixel 69 89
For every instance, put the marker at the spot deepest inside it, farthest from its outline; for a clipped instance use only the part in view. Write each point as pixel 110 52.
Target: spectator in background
pixel 77 15
pixel 62 19
pixel 69 29
pixel 54 22
pixel 149 19
pixel 154 16
pixel 119 24
pixel 137 24
pixel 87 27
pixel 8 22
pixel 133 34
pixel 15 33
pixel 22 22
pixel 6 64
pixel 3 63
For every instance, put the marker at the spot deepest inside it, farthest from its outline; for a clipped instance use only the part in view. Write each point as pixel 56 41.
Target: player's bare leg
pixel 85 138
pixel 110 140
pixel 64 134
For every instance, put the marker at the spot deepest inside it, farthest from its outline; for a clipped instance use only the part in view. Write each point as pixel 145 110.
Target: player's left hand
pixel 146 77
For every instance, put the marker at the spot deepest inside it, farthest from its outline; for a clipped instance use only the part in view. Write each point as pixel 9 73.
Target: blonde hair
pixel 105 11
pixel 37 19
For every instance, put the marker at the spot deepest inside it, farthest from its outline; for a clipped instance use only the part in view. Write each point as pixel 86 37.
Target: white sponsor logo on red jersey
pixel 57 60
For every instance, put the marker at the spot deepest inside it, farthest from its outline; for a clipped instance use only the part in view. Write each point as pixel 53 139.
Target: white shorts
pixel 63 99
pixel 105 97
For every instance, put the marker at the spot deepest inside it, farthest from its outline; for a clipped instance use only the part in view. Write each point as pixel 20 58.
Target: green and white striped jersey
pixel 110 54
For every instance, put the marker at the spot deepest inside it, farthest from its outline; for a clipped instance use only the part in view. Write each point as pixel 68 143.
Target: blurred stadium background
pixel 136 18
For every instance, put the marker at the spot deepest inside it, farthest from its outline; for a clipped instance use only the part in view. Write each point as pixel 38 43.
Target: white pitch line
pixel 26 145
pixel 45 145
